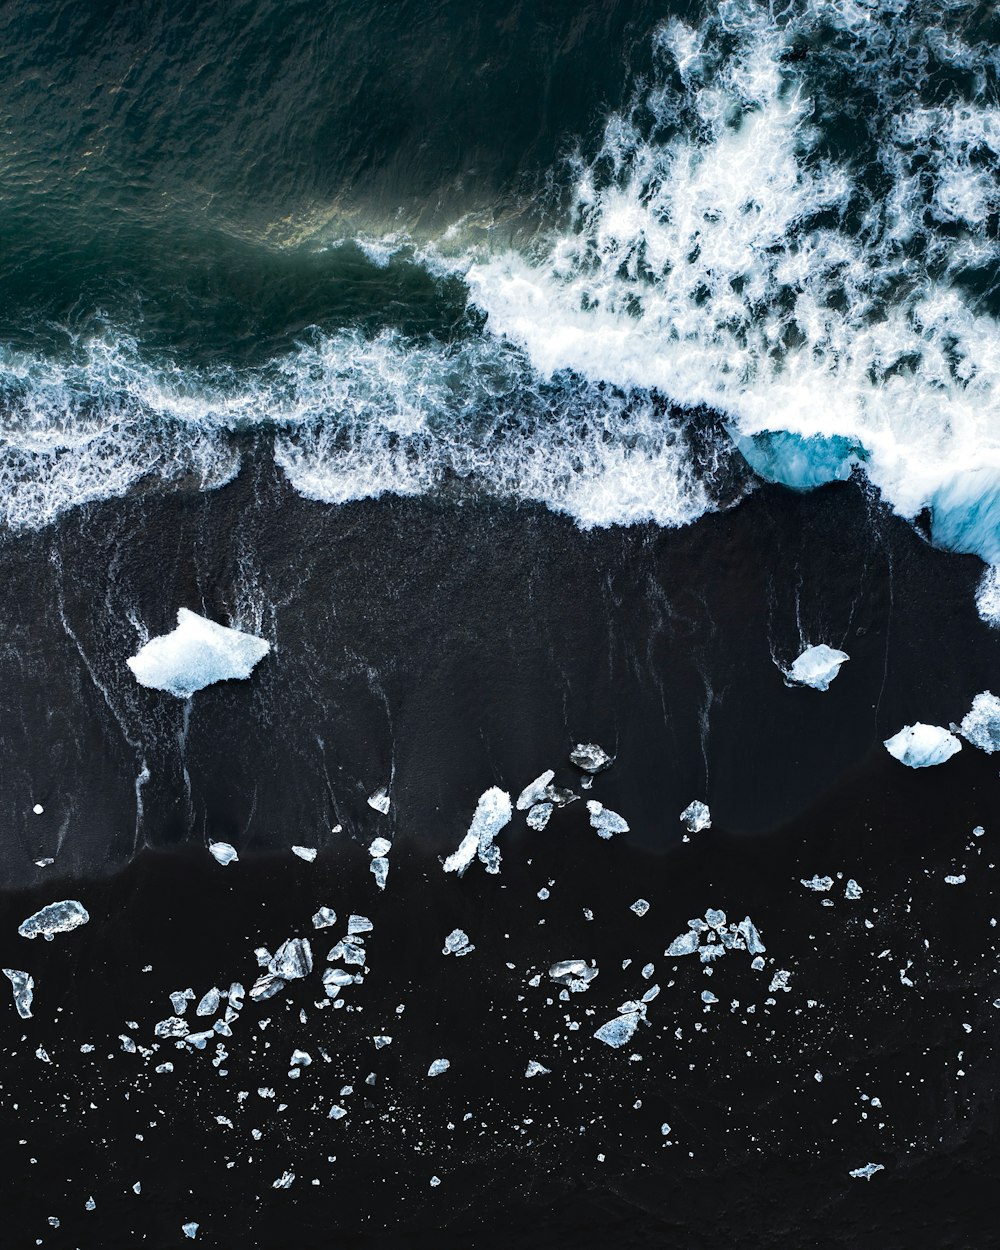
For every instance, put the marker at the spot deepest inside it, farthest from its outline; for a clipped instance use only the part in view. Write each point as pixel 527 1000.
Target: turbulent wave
pixel 792 223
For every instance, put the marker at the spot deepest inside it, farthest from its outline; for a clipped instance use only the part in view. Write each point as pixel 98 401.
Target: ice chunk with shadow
pixel 591 758
pixel 55 918
pixel 292 960
pixel 604 820
pixel 696 817
pixel 457 943
pixel 265 987
pixel 380 801
pixel 922 746
pixel 439 1067
pixel 816 667
pixel 223 853
pixel 981 724
pixel 535 791
pixel 493 813
pixel 196 654
pixel 334 980
pixel 23 986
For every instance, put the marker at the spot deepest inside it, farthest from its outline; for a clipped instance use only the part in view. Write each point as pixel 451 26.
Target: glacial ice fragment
pixel 284 1181
pixel 334 979
pixel 190 1229
pixel 922 746
pixel 292 960
pixel 379 847
pixel 536 1069
pixel 708 997
pixel 816 667
pixel 23 986
pixel 457 943
pixel 380 800
pixel 381 1041
pixel 173 1026
pixel 358 924
pixel 715 919
pixel 981 724
pixel 574 974
pixel 852 890
pixel 300 1059
pixel 538 816
pixel 55 918
pixel 780 981
pixel 535 791
pixel 750 935
pixel 818 884
pixel 439 1067
pixel 640 907
pixel 336 1113
pixel 209 1004
pixel 686 944
pixel 696 816
pixel 591 758
pixel 618 1031
pixel 196 654
pixel 223 853
pixel 266 986
pixel 379 868
pixel 493 813
pixel 868 1171
pixel 308 853
pixel 324 918
pixel 604 820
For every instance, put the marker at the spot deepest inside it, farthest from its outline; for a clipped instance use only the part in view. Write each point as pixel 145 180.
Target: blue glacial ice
pixel 816 667
pixel 922 746
pixel 493 813
pixel 56 918
pixel 23 985
pixel 797 461
pixel 196 654
pixel 981 724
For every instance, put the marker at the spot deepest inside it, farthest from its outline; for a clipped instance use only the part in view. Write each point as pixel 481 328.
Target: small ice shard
pixel 686 944
pixel 618 1031
pixel 196 654
pixel 604 820
pixel 284 1181
pixel 190 1230
pixel 715 919
pixel 665 1130
pixel 922 746
pixel 868 1171
pixel 818 883
pixel 358 924
pixel 981 724
pixel 435 1181
pixel 708 997
pixel 308 853
pixel 209 1004
pixel 379 868
pixel 696 816
pixel 292 960
pixel 324 918
pixel 959 879
pixel 640 907
pixel 223 853
pixel 336 1113
pixel 573 974
pixel 780 982
pixel 44 863
pixel 23 986
pixel 536 1069
pixel 852 889
pixel 457 943
pixel 334 979
pixel 266 986
pixel 381 1041
pixel 379 848
pixel 380 800
pixel 38 809
pixel 173 1026
pixel 750 935
pixel 591 758
pixel 538 816
pixel 300 1059
pixel 55 918
pixel 535 791
pixel 816 667
pixel 438 1067
pixel 179 1000
pixel 350 952
pixel 493 813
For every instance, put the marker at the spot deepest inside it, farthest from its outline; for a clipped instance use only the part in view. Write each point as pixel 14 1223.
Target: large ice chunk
pixel 816 667
pixel 56 918
pixel 23 985
pixel 921 746
pixel 493 812
pixel 196 654
pixel 981 724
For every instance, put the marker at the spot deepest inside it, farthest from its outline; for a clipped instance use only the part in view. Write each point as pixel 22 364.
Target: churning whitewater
pixel 755 266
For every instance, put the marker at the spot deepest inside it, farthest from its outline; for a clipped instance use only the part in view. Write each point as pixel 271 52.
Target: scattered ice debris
pixel 922 746
pixel 223 853
pixel 573 974
pixel 591 758
pixel 358 924
pixel 439 1067
pixel 818 883
pixel 457 943
pixel 868 1171
pixel 852 890
pixel 23 986
pixel 696 816
pixel 493 813
pixel 958 879
pixel 981 724
pixel 55 918
pixel 190 1230
pixel 604 820
pixel 620 1030
pixel 43 1054
pixel 293 960
pixel 640 907
pixel 719 938
pixel 535 792
pixel 324 918
pixel 536 1069
pixel 380 800
pixel 780 982
pixel 538 816
pixel 196 654
pixel 816 667
pixel 308 853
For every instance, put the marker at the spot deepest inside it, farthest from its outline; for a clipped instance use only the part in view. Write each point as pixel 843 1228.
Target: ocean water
pixel 524 375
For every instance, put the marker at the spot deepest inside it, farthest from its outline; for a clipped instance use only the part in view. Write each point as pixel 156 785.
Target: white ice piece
pixel 358 924
pixel 23 985
pixel 293 959
pixel 493 812
pixel 981 724
pixel 816 667
pixel 196 654
pixel 379 868
pixel 190 1229
pixel 922 746
pixel 380 800
pixel 324 918
pixel 686 944
pixel 818 884
pixel 640 907
pixel 535 792
pixel 457 943
pixel 379 848
pixel 868 1171
pixel 536 1069
pixel 538 816
pixel 223 853
pixel 439 1067
pixel 573 974
pixel 591 758
pixel 55 918
pixel 308 853
pixel 604 820
pixel 618 1031
pixel 696 816
pixel 852 890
